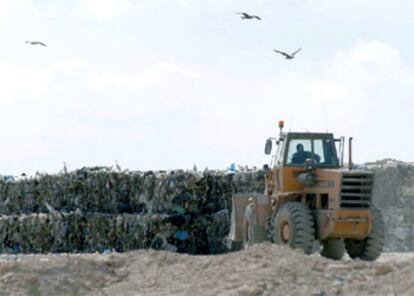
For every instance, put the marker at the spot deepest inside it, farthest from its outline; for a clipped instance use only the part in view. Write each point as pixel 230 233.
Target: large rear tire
pixel 333 249
pixel 371 247
pixel 293 225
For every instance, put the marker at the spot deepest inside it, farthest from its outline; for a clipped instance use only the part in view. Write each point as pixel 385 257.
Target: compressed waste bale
pixel 91 232
pixel 217 230
pixel 106 191
pixel 73 232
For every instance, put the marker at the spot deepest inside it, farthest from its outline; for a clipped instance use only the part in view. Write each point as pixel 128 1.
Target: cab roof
pixel 307 135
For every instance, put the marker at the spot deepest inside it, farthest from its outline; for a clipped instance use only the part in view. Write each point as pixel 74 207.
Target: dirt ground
pixel 265 269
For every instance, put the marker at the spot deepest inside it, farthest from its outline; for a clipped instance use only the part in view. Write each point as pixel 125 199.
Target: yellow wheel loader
pixel 310 196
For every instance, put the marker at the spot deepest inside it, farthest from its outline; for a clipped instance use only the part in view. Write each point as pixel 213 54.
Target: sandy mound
pixel 263 270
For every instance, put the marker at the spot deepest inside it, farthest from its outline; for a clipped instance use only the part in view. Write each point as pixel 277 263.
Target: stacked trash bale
pixel 394 195
pixel 98 209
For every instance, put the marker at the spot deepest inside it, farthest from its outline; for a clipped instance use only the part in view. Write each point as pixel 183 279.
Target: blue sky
pixel 168 84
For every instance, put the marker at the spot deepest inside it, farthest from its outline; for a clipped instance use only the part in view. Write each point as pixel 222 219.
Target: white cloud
pixel 23 81
pixel 8 7
pixel 68 66
pixel 363 10
pixel 369 62
pixel 29 81
pixel 104 9
pixel 185 4
pixel 86 9
pixel 322 90
pixel 160 73
pixel 3 11
pixel 163 87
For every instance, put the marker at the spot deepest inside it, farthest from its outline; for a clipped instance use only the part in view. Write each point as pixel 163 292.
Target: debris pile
pixel 264 269
pixel 98 209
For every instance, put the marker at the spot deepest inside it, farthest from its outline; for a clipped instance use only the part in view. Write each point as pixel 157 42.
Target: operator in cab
pixel 300 155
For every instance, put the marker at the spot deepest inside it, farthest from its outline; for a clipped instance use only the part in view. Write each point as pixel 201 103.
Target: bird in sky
pixel 36 43
pixel 247 16
pixel 288 56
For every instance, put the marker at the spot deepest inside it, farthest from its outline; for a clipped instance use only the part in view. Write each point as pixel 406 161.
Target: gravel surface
pixel 265 269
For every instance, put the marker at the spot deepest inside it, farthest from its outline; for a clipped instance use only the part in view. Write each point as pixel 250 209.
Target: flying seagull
pixel 36 43
pixel 288 56
pixel 247 16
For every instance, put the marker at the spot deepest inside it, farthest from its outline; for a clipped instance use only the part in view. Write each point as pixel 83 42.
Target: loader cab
pixel 288 162
pixel 301 149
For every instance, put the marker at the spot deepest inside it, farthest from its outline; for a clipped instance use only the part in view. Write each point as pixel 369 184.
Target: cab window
pixel 325 149
pixel 318 149
pixel 322 151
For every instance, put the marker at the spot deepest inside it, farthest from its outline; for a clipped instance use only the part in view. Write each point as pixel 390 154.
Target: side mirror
pixel 268 146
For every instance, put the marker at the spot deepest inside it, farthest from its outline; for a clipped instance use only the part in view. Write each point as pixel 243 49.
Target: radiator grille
pixel 356 190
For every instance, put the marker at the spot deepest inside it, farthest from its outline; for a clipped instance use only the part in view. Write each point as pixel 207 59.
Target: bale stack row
pixel 98 209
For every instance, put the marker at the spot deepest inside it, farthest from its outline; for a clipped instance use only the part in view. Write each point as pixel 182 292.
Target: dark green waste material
pixel 91 232
pixel 98 209
pixel 106 191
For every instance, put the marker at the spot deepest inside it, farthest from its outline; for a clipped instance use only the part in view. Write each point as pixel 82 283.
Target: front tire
pixel 293 225
pixel 371 247
pixel 333 249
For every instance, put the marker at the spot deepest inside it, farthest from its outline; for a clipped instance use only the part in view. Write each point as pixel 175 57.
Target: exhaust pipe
pixel 350 154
